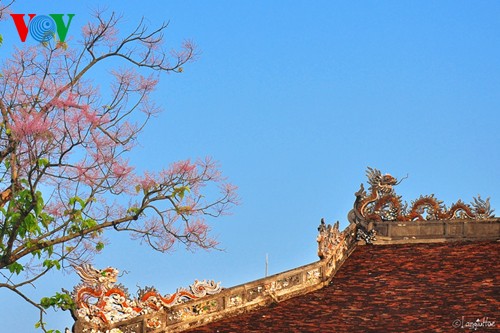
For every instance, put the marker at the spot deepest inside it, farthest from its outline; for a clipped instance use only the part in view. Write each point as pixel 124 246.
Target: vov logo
pixel 42 28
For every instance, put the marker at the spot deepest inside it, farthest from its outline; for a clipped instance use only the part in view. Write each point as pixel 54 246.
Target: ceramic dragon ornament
pixel 100 301
pixel 381 203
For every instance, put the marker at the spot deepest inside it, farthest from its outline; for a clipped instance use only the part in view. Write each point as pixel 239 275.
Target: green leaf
pixel 133 210
pixel 51 263
pixel 46 302
pixel 59 300
pixel 99 246
pixel 39 203
pixel 14 216
pixel 15 267
pixel 45 219
pixel 79 200
pixel 37 253
pixel 183 209
pixel 180 191
pixel 43 162
pixel 49 250
pixel 89 223
pixel 30 224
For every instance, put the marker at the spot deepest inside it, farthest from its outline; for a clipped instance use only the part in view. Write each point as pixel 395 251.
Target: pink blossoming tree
pixel 65 177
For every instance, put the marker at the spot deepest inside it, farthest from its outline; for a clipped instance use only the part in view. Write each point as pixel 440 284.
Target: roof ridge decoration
pixel 329 237
pixel 381 203
pixel 101 302
pixel 102 306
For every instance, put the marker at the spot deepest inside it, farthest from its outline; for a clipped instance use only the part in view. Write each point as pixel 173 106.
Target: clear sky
pixel 295 99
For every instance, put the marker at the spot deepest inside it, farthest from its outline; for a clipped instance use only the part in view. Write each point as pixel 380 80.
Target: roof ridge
pixel 378 218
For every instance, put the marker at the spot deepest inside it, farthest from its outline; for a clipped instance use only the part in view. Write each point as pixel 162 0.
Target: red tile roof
pixel 392 288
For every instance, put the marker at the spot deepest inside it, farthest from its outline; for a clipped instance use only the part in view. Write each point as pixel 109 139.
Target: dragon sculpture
pixel 101 302
pixel 382 204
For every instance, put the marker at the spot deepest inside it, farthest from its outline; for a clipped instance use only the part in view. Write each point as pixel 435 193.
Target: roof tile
pixel 391 288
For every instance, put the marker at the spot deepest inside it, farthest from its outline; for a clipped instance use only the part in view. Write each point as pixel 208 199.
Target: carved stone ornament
pixel 382 204
pixel 101 302
pixel 368 237
pixel 328 238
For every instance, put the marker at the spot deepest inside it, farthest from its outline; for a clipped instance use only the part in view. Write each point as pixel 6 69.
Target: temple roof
pixel 397 267
pixel 391 288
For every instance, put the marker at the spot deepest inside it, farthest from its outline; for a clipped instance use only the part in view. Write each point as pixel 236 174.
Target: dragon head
pixel 97 278
pixel 108 276
pixel 379 182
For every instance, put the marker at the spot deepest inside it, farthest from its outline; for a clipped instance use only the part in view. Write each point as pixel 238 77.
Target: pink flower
pixel 29 124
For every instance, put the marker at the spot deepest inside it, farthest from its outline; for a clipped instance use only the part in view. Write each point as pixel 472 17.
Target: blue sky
pixel 295 99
